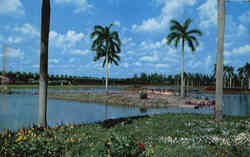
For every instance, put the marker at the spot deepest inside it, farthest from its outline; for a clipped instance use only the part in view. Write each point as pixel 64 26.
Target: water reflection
pixel 235 105
pixel 3 98
pixel 21 110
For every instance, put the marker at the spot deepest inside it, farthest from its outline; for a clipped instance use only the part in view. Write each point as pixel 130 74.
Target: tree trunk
pixel 241 83
pixel 107 66
pixel 230 82
pixel 249 83
pixel 182 70
pixel 220 61
pixel 45 23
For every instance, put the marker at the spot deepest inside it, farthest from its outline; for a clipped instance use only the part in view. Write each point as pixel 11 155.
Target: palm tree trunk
pixel 230 82
pixel 182 70
pixel 249 83
pixel 45 23
pixel 241 83
pixel 220 61
pixel 107 66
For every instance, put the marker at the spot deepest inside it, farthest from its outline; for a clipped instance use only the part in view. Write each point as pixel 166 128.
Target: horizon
pixel 142 29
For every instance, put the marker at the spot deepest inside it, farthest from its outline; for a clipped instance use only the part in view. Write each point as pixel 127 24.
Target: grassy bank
pixel 154 136
pixel 62 87
pixel 119 99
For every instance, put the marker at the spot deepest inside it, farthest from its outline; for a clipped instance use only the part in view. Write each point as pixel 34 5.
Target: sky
pixel 143 26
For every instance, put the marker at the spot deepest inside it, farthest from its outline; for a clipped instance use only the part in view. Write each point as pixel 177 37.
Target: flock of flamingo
pixel 197 104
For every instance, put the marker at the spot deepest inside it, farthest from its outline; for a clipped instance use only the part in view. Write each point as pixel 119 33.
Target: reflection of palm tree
pixel 106 44
pixel 3 103
pixel 179 32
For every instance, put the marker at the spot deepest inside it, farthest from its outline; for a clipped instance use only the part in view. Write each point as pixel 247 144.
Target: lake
pixel 18 110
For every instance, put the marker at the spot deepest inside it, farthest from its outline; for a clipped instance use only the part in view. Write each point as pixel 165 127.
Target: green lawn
pixel 158 135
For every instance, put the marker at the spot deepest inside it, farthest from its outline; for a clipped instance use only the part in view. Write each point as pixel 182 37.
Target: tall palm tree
pixel 180 32
pixel 247 73
pixel 43 85
pixel 230 75
pixel 106 44
pixel 219 61
pixel 241 75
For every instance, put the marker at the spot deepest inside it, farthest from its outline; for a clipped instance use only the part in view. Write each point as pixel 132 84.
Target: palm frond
pixel 187 23
pixel 172 36
pixel 176 23
pixel 190 44
pixel 98 28
pixel 194 31
pixel 193 38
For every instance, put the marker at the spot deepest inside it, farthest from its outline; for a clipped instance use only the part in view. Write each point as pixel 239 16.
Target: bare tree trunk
pixel 182 70
pixel 43 84
pixel 220 61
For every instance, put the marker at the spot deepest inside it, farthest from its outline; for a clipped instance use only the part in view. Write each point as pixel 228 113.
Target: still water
pixel 18 111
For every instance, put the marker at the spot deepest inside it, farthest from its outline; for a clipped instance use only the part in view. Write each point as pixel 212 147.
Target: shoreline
pixel 131 99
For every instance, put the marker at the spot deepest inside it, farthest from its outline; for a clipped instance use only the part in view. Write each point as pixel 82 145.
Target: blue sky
pixel 142 24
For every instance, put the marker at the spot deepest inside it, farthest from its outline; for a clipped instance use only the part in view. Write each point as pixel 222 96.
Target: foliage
pixel 154 136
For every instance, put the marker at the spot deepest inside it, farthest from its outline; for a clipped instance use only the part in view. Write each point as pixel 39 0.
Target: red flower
pixel 141 146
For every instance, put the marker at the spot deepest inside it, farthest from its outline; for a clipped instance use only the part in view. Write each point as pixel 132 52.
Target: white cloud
pixel 208 13
pixel 13 52
pixel 82 5
pixel 11 7
pixel 15 40
pixel 171 60
pixel 67 40
pixel 152 58
pixel 80 52
pixel 242 50
pixel 170 10
pixel 242 29
pixel 53 60
pixel 117 23
pixel 208 61
pixel 28 29
pixel 161 65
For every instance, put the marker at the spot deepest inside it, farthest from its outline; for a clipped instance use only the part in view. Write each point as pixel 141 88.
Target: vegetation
pixel 106 44
pixel 152 136
pixel 181 34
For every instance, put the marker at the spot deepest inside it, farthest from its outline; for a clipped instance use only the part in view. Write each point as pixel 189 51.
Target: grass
pixel 159 135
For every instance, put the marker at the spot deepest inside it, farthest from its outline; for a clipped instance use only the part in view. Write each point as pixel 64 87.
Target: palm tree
pixel 43 85
pixel 241 75
pixel 106 44
pixel 179 32
pixel 230 75
pixel 219 61
pixel 247 73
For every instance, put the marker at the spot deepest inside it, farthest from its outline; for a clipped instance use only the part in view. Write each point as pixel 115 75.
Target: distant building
pixel 4 79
